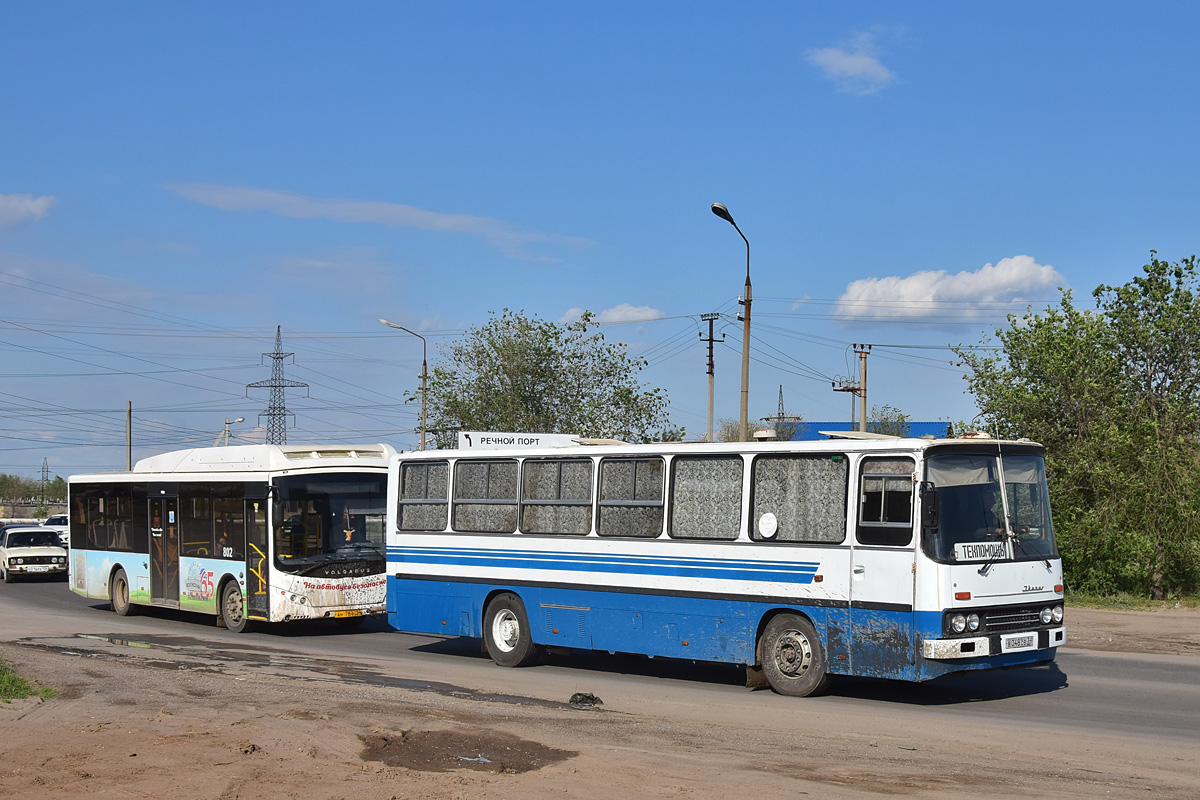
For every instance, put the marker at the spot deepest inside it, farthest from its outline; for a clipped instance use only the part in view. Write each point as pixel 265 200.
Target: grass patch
pixel 1128 602
pixel 14 687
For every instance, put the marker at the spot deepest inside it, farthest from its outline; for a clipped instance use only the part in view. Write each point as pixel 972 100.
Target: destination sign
pixel 979 551
pixel 496 440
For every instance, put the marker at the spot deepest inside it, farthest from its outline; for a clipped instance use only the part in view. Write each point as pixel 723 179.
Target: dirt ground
pixel 128 726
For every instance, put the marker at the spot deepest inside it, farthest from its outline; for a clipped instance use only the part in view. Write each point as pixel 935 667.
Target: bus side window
pixel 799 498
pixel 422 502
pixel 485 495
pixel 195 517
pixel 631 498
pixel 885 502
pixel 706 497
pixel 556 496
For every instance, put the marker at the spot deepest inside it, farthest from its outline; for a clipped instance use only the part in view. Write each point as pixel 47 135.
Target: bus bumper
pixel 975 647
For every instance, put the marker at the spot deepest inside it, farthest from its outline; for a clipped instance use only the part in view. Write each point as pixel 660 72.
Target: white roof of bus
pixel 264 458
pixel 839 443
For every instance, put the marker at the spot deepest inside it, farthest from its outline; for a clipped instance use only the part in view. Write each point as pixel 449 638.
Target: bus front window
pixel 979 523
pixel 325 524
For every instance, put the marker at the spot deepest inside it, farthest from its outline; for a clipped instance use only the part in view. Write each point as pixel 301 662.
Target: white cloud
pixel 1014 280
pixel 18 208
pixel 496 233
pixel 855 66
pixel 617 314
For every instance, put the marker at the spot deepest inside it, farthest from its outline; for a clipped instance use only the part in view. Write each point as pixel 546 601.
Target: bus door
pixel 883 570
pixel 258 599
pixel 164 551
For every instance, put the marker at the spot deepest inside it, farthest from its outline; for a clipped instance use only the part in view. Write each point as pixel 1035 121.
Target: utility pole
pixel 277 412
pixel 743 416
pixel 129 436
pixel 847 385
pixel 45 479
pixel 709 318
pixel 862 350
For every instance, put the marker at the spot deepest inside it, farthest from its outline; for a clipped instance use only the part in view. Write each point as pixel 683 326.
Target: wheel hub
pixel 793 653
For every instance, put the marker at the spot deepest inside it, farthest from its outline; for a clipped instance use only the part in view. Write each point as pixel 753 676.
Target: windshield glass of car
pixel 325 519
pixel 33 539
pixel 972 523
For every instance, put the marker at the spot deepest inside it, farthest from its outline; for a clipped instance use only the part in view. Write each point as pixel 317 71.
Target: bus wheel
pixel 120 594
pixel 792 657
pixel 506 632
pixel 233 610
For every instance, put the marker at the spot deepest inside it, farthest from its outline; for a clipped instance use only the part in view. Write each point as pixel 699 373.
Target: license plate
pixel 1019 642
pixel 353 613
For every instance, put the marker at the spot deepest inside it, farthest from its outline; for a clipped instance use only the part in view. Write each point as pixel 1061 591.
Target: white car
pixel 30 550
pixel 62 524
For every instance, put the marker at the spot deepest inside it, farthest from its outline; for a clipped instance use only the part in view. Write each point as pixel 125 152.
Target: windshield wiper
pixel 1006 535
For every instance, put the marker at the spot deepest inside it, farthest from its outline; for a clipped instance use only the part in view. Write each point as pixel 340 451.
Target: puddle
pixel 481 750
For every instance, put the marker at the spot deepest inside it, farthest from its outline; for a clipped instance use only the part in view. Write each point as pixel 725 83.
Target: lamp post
pixel 223 437
pixel 424 374
pixel 743 431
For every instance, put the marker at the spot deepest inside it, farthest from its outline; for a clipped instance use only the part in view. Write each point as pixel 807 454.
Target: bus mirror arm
pixel 931 507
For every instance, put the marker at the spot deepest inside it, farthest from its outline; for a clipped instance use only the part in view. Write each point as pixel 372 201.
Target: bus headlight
pixel 1047 615
pixel 958 623
pixel 972 622
pixel 1058 613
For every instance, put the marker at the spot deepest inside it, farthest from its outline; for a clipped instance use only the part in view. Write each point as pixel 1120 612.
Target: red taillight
pixel 1058 587
pixel 962 595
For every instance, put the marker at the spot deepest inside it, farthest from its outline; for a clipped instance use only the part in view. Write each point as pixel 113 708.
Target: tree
pixel 787 427
pixel 517 373
pixel 888 420
pixel 56 490
pixel 1112 393
pixel 728 430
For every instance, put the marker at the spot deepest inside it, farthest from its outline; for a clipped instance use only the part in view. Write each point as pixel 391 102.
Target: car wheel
pixel 233 609
pixel 506 632
pixel 792 657
pixel 119 598
pixel 8 576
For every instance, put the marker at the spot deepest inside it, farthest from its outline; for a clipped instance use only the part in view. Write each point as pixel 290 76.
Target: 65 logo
pixel 206 585
pixel 199 583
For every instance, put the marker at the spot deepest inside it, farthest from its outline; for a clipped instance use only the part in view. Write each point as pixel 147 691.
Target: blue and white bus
pixel 870 556
pixel 272 533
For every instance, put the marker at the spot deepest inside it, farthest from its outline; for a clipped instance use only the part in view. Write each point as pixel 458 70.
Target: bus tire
pixel 233 609
pixel 119 594
pixel 792 657
pixel 506 632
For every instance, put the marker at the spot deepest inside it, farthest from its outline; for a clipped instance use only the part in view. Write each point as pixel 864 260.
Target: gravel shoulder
pixel 131 723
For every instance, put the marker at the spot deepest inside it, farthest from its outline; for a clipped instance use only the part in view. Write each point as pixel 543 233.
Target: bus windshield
pixel 326 524
pixel 977 522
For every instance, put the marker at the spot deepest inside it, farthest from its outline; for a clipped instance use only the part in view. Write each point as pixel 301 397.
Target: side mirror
pixel 931 507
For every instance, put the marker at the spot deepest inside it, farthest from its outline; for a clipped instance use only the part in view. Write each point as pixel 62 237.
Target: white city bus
pixel 884 557
pixel 272 533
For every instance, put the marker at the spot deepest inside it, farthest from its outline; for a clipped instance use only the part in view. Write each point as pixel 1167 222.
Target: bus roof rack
pixel 856 435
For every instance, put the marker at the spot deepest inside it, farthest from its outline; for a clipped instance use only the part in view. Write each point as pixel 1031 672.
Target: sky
pixel 177 181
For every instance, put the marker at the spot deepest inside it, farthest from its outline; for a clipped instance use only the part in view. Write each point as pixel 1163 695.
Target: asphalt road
pixel 1129 695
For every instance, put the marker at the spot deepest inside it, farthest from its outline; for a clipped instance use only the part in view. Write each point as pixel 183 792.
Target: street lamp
pixel 223 437
pixel 424 374
pixel 743 431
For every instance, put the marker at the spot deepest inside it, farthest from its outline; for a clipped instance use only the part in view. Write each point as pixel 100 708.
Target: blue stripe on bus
pixel 678 567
